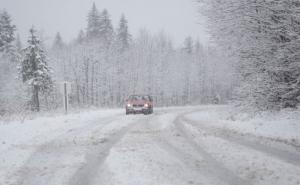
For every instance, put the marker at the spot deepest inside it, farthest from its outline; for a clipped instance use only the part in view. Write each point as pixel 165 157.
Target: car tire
pixel 151 111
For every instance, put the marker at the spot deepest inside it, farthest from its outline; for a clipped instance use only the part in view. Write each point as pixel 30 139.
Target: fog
pixel 131 92
pixel 178 18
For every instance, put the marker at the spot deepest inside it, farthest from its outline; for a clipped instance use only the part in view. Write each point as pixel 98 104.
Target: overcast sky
pixel 178 18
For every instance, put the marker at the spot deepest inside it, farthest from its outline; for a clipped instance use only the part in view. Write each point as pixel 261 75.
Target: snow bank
pixel 19 140
pixel 281 126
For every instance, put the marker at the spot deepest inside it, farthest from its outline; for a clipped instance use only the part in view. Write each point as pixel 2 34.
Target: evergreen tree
pixel 106 28
pixel 93 28
pixel 198 47
pixel 284 69
pixel 58 59
pixel 35 70
pixel 123 36
pixel 58 43
pixel 188 45
pixel 6 34
pixel 81 37
pixel 263 37
pixel 19 45
pixel 10 90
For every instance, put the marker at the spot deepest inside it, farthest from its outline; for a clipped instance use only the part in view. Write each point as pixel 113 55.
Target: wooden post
pixel 66 97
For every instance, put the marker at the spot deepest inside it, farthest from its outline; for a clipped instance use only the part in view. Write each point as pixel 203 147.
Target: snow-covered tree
pixel 19 45
pixel 105 67
pixel 7 36
pixel 34 69
pixel 58 59
pixel 105 70
pixel 93 28
pixel 11 91
pixel 262 38
pixel 284 68
pixel 123 35
pixel 81 37
pixel 106 28
pixel 58 43
pixel 188 45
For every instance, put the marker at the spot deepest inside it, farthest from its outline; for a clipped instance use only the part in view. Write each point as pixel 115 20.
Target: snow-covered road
pixel 171 147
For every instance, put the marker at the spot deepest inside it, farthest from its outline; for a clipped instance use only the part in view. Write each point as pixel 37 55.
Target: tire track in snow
pixel 36 169
pixel 95 157
pixel 213 167
pixel 205 165
pixel 254 143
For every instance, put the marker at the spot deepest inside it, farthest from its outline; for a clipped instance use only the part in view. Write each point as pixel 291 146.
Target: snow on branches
pixel 263 39
pixel 34 68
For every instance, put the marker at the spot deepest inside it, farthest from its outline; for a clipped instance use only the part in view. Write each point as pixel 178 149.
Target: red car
pixel 139 104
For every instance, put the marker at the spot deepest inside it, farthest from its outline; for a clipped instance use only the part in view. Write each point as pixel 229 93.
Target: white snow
pixel 259 164
pixel 284 125
pixel 18 141
pixel 174 146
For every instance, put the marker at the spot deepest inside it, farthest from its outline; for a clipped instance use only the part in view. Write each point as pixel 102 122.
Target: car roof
pixel 140 96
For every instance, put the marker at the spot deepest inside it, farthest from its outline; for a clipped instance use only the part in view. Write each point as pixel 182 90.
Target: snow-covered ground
pixel 174 146
pixel 281 126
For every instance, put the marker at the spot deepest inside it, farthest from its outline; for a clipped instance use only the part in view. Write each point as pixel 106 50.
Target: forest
pixel 261 39
pixel 105 65
pixel 252 61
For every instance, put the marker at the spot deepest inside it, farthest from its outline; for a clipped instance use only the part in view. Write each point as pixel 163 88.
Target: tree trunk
pixel 35 99
pixel 87 81
pixel 92 84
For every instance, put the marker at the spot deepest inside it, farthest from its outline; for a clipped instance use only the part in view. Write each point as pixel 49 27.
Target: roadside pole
pixel 66 99
pixel 65 89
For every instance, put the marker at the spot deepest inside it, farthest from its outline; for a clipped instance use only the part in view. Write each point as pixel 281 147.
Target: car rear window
pixel 139 97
